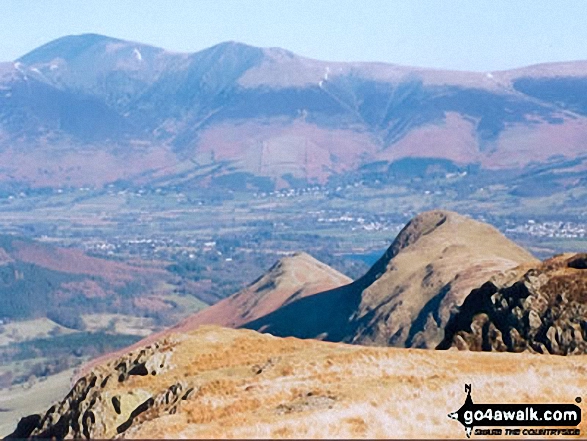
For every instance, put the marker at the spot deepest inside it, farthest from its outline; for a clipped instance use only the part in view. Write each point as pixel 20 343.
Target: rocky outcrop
pixel 541 309
pixel 98 406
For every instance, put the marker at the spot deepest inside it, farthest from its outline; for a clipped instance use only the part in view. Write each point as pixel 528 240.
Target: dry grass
pixel 251 385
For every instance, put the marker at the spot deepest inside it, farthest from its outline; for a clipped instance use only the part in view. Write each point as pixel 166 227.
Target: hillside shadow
pixel 325 315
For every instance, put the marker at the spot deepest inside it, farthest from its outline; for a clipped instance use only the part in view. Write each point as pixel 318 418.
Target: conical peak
pixel 421 225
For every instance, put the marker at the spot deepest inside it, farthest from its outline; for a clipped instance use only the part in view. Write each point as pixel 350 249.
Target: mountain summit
pixel 291 278
pixel 68 48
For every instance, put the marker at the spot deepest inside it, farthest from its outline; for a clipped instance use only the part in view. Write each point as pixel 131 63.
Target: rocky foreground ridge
pixel 536 308
pixel 219 383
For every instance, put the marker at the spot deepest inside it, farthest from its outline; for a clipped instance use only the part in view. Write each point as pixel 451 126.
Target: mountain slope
pixel 535 308
pixel 291 278
pixel 407 297
pixel 38 279
pixel 223 383
pixel 269 113
pixel 60 307
pixel 111 70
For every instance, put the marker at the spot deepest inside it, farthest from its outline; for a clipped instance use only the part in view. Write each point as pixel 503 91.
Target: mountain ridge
pixel 90 38
pixel 405 299
pixel 266 113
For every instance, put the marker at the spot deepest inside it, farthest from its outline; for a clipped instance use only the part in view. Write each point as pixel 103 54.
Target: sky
pixel 475 35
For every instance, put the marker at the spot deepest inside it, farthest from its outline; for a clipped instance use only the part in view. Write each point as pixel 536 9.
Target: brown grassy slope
pixel 291 278
pixel 407 297
pixel 223 383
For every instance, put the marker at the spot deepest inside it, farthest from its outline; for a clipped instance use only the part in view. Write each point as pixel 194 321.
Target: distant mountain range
pixel 91 110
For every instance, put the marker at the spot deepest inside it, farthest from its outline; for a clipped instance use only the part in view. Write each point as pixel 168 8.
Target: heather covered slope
pixel 536 308
pixel 223 383
pixel 407 297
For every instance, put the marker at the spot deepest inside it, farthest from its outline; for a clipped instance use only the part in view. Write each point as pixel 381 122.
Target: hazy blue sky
pixel 466 34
